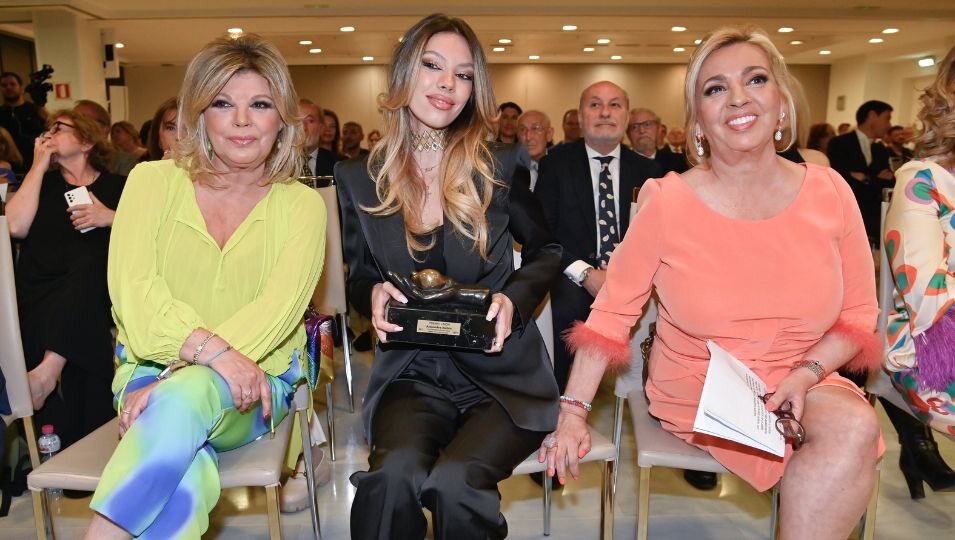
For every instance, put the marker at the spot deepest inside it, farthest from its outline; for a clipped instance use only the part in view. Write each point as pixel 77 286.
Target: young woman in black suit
pixel 445 426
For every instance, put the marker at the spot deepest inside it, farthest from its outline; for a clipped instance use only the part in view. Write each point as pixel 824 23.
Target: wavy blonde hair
pixel 719 39
pixel 937 138
pixel 466 169
pixel 207 74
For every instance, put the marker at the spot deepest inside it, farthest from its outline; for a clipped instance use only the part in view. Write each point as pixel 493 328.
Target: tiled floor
pixel 732 512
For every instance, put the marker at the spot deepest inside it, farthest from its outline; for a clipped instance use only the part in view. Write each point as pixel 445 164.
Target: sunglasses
pixel 786 423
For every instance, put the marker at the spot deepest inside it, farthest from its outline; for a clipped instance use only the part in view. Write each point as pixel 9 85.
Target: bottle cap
pixel 46 429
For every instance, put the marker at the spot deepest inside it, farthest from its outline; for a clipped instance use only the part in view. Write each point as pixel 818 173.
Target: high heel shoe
pixel 920 462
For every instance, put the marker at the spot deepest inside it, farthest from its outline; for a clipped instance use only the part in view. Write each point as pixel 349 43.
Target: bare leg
pixel 827 483
pixel 104 529
pixel 44 377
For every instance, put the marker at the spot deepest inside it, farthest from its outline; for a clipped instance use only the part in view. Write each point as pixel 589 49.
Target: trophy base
pixel 441 325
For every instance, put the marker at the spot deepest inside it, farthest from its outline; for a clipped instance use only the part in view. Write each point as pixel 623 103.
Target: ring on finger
pixel 550 442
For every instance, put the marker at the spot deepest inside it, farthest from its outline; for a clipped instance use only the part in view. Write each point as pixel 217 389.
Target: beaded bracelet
pixel 195 355
pixel 576 403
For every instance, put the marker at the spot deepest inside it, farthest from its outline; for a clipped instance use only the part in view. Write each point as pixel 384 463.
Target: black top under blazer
pixel 520 378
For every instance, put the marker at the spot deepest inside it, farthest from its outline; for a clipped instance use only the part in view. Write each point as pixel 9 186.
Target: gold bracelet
pixel 814 366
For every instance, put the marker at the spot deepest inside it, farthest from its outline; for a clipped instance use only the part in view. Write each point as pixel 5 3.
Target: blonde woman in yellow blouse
pixel 213 259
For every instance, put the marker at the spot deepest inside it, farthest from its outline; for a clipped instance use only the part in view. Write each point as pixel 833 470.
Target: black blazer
pixel 566 192
pixel 520 378
pixel 668 160
pixel 325 162
pixel 845 156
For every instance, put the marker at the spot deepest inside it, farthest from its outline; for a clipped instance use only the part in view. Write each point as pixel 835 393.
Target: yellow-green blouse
pixel 167 276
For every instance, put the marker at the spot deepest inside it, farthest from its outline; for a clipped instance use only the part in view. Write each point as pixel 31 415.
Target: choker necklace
pixel 428 140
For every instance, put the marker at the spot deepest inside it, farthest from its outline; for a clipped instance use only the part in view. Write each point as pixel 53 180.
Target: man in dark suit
pixel 644 131
pixel 574 188
pixel 864 163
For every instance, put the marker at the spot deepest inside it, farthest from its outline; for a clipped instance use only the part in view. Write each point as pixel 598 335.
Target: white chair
pixel 330 298
pixel 79 467
pixel 602 449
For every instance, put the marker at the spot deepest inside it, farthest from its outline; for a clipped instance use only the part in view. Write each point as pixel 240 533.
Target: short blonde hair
pixel 937 138
pixel 724 37
pixel 208 72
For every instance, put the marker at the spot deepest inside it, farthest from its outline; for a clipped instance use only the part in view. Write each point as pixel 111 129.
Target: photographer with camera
pixel 24 120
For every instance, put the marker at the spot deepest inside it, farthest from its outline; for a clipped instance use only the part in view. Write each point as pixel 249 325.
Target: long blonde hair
pixel 724 37
pixel 207 74
pixel 466 168
pixel 937 138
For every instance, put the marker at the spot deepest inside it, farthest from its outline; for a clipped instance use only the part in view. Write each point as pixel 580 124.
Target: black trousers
pixel 569 303
pixel 441 443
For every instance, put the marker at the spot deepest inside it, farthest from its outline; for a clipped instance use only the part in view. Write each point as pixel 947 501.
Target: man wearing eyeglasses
pixel 644 131
pixel 536 134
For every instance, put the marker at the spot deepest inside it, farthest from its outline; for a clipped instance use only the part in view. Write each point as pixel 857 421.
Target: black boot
pixel 701 480
pixel 919 459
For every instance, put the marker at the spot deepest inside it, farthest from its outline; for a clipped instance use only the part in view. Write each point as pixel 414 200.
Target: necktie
pixel 606 212
pixel 306 170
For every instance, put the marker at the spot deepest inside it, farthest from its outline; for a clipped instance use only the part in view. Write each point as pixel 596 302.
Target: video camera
pixel 38 87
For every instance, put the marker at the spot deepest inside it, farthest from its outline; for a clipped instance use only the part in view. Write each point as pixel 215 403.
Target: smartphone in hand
pixel 78 196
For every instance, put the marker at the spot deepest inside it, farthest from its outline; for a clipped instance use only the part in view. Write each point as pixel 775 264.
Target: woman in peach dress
pixel 765 257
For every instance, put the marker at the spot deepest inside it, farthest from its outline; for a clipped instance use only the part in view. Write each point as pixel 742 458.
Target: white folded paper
pixel 731 408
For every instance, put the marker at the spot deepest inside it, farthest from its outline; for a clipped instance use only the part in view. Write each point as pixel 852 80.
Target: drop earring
pixel 698 142
pixel 778 136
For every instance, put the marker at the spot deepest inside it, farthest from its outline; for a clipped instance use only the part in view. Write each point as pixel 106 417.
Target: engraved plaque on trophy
pixel 440 312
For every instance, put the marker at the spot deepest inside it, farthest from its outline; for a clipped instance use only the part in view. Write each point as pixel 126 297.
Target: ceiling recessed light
pixel 569 27
pixel 534 57
pixel 697 41
pixel 305 42
pixel 825 51
pixel 603 41
pixel 679 49
pixel 785 30
pixel 118 45
pixel 314 51
pixel 795 42
pixel 890 31
pixel 876 40
pixel 928 61
pixel 347 29
pixel 678 28
pixel 616 57
pixel 498 49
pixel 234 30
pixel 367 58
pixel 504 41
pixel 588 49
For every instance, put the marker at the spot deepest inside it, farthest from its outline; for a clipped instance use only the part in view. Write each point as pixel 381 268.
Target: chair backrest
pixel 11 348
pixel 329 297
pixel 632 379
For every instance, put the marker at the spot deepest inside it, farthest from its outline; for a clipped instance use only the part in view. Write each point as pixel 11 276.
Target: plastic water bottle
pixel 49 443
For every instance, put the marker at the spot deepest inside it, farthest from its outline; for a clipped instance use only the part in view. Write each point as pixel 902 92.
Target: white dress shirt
pixel 866 143
pixel 575 269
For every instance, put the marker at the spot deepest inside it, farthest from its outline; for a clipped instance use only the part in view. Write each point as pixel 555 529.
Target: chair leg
pixel 867 524
pixel 774 516
pixel 346 347
pixel 643 504
pixel 609 488
pixel 547 500
pixel 309 476
pixel 41 516
pixel 330 416
pixel 30 433
pixel 272 503
pixel 617 432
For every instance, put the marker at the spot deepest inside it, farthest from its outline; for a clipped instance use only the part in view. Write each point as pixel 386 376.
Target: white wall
pixel 351 91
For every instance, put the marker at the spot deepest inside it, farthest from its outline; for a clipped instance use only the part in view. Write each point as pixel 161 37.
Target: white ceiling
pixel 171 31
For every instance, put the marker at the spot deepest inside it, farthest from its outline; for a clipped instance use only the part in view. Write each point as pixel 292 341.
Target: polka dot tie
pixel 606 212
